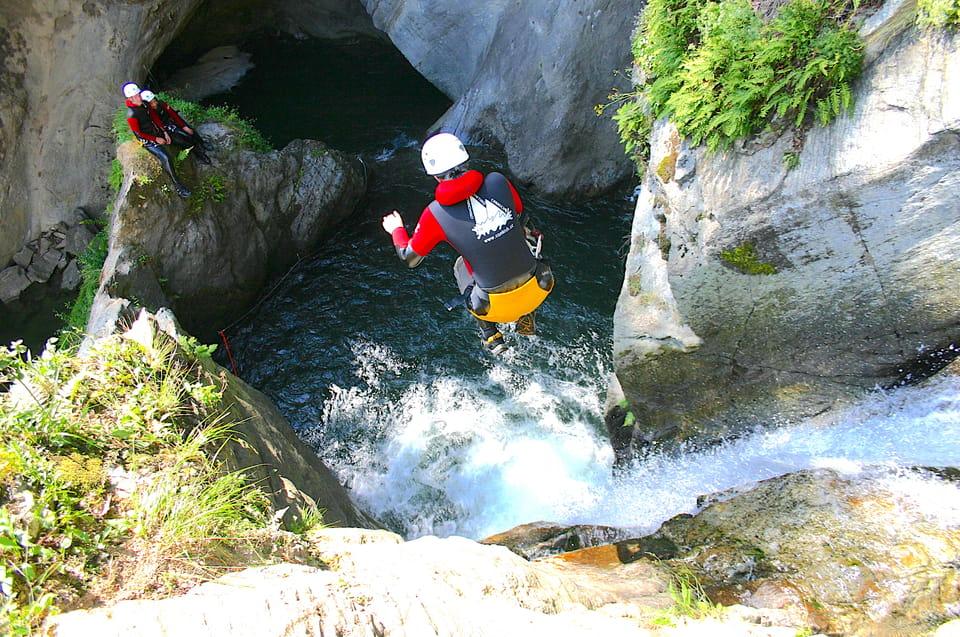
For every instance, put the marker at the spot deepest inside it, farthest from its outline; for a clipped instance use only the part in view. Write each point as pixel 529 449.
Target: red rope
pixel 229 353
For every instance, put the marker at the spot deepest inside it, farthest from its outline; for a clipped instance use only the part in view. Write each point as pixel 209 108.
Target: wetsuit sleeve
pixel 175 115
pixel 517 202
pixel 426 236
pixel 134 125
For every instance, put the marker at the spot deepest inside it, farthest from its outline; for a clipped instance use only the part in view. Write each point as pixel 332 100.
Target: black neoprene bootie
pixel 490 338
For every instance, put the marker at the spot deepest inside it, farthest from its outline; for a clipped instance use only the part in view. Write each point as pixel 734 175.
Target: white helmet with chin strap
pixel 442 152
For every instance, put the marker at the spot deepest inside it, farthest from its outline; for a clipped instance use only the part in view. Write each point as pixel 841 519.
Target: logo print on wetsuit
pixel 488 215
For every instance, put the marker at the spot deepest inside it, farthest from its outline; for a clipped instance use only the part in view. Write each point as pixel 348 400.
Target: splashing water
pixel 904 428
pixel 432 436
pixel 475 456
pixel 468 455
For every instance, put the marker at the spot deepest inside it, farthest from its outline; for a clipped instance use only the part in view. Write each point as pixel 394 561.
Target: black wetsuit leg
pixel 164 159
pixel 180 138
pixel 488 330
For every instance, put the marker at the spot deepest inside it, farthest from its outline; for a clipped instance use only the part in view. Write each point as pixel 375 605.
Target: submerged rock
pixel 217 71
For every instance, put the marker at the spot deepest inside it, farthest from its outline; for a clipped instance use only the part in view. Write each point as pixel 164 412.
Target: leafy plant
pixel 91 262
pixel 213 188
pixel 133 406
pixel 116 175
pixel 938 13
pixel 720 73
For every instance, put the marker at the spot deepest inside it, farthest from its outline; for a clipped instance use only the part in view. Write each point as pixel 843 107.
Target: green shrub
pixel 720 73
pixel 116 175
pixel 938 13
pixel 127 408
pixel 91 263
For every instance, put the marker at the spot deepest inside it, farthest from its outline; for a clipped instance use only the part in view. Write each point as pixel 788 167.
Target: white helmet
pixel 442 152
pixel 147 95
pixel 130 89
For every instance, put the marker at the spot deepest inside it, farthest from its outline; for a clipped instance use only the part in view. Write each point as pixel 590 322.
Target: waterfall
pixel 474 455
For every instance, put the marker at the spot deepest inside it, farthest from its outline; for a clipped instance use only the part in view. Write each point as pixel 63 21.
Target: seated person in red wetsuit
pixel 499 273
pixel 151 136
pixel 168 119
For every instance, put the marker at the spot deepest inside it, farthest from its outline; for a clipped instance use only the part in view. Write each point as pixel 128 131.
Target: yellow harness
pixel 507 307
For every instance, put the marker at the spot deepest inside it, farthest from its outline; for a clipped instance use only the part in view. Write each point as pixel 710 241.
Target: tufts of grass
pixel 119 447
pixel 247 134
pixel 689 599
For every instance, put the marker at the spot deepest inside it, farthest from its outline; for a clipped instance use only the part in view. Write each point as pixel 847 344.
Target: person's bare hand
pixel 392 221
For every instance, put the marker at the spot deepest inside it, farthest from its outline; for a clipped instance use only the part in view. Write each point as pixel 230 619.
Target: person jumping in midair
pixel 499 272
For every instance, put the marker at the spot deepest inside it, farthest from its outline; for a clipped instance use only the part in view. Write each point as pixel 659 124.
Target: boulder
pixel 251 216
pixel 45 264
pixel 542 539
pixel 857 246
pixel 376 584
pixel 217 71
pixel 869 553
pixel 13 281
pixel 872 553
pixel 525 76
pixel 77 238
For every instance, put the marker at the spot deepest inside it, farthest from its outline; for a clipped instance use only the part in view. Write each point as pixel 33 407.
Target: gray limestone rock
pixel 861 238
pixel 70 279
pixel 77 238
pixel 13 281
pixel 251 216
pixel 525 76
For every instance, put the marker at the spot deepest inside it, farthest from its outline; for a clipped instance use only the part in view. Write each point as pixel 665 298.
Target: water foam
pixel 472 456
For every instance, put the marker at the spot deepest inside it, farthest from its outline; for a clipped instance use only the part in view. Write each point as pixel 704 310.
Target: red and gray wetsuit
pixel 150 133
pixel 146 128
pixel 169 118
pixel 480 218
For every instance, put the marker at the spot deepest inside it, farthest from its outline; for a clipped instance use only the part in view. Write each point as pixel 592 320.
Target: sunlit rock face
pixel 854 253
pixel 61 69
pixel 525 76
pixel 251 215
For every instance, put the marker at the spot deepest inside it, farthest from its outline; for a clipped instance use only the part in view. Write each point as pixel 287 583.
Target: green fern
pixel 721 74
pixel 938 13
